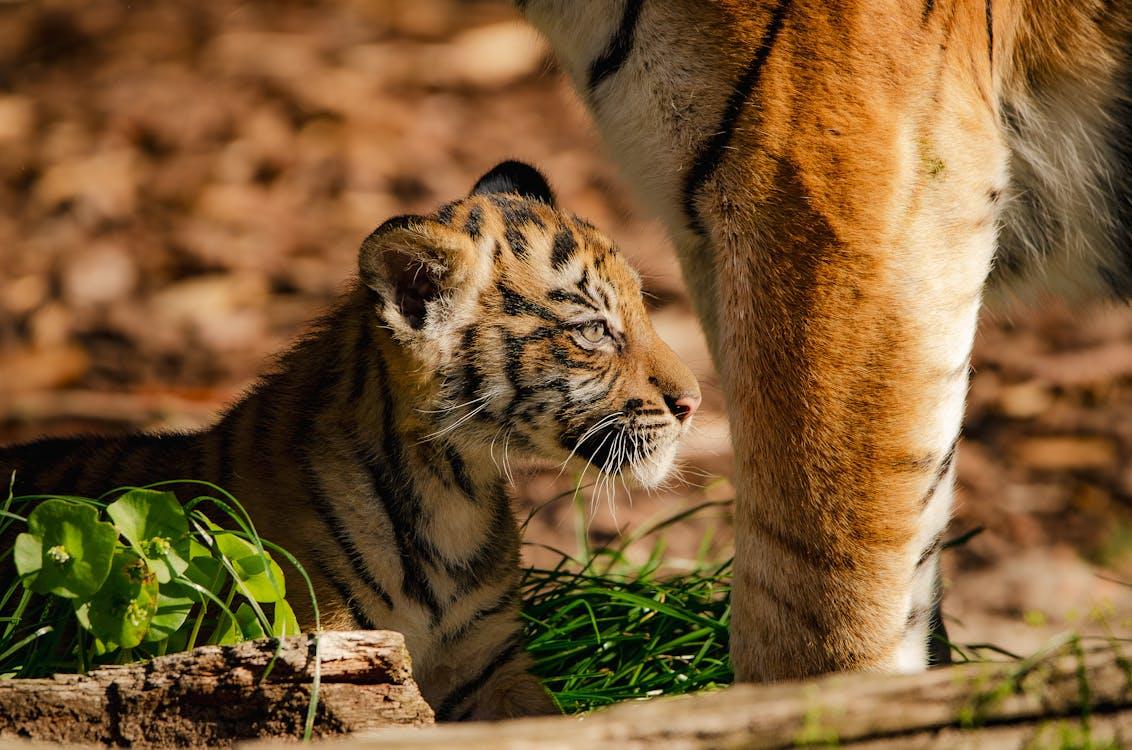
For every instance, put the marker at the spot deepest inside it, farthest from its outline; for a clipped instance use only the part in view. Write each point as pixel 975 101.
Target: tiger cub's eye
pixel 594 332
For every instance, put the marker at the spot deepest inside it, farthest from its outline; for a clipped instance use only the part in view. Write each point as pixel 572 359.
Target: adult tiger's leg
pixel 849 283
pixel 838 167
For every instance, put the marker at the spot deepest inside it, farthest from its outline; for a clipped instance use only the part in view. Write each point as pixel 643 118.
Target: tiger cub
pixel 498 327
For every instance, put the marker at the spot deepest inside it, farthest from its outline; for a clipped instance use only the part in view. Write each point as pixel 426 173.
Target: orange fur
pixel 834 176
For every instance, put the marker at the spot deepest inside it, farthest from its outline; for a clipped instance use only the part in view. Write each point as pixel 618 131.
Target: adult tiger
pixel 842 180
pixel 498 327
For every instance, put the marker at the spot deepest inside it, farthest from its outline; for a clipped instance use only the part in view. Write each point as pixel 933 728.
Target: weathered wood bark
pixel 1007 705
pixel 216 695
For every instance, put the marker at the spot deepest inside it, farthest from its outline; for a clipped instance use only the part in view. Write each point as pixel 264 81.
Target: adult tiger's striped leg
pixel 849 285
pixel 839 168
pixel 846 372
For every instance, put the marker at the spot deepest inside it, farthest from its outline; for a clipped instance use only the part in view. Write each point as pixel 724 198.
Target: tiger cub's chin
pixel 652 469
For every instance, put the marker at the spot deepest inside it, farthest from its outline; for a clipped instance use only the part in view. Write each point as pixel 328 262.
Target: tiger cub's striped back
pixel 497 328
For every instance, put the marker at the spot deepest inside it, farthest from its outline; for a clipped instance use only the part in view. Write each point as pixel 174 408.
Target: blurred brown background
pixel 183 184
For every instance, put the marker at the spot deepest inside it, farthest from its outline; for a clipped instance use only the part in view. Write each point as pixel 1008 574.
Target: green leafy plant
pixel 132 575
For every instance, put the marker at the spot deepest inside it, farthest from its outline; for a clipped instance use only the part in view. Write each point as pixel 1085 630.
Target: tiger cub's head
pixel 527 331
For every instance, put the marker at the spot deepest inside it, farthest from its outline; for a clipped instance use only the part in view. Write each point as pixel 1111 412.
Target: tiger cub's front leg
pixel 830 176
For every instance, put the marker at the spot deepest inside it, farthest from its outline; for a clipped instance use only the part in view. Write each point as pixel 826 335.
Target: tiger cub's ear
pixel 412 263
pixel 515 177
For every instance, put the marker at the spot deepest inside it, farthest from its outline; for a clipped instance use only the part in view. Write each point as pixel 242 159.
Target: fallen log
pixel 1070 698
pixel 217 695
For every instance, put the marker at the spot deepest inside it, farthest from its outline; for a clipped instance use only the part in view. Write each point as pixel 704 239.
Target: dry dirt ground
pixel 183 184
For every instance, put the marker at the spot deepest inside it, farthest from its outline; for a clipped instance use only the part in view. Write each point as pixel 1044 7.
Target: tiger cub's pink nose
pixel 683 407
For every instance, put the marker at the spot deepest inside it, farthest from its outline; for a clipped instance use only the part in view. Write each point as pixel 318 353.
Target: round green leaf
pixel 252 568
pixel 250 625
pixel 155 523
pixel 196 549
pixel 66 550
pixel 206 572
pixel 28 555
pixel 247 627
pixel 122 609
pixel 82 614
pixel 178 641
pixel 174 602
pixel 283 620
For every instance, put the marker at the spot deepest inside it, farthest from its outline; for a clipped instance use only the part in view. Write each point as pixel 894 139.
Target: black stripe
pixel 605 298
pixel 517 210
pixel 989 10
pixel 918 615
pixel 561 295
pixel 445 212
pixel 324 508
pixel 452 701
pixel 465 714
pixel 619 47
pixel 941 472
pixel 474 222
pixel 400 501
pixel 426 456
pixel 583 225
pixel 707 160
pixel 939 644
pixel 803 547
pixel 513 361
pixel 517 241
pixel 562 356
pixel 614 380
pixel 470 375
pixel 583 285
pixel 565 245
pixel 516 304
pixel 460 473
pixel 497 555
pixel 516 215
pixel 360 618
pixel 930 550
pixel 339 531
pixel 806 617
pixel 929 6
